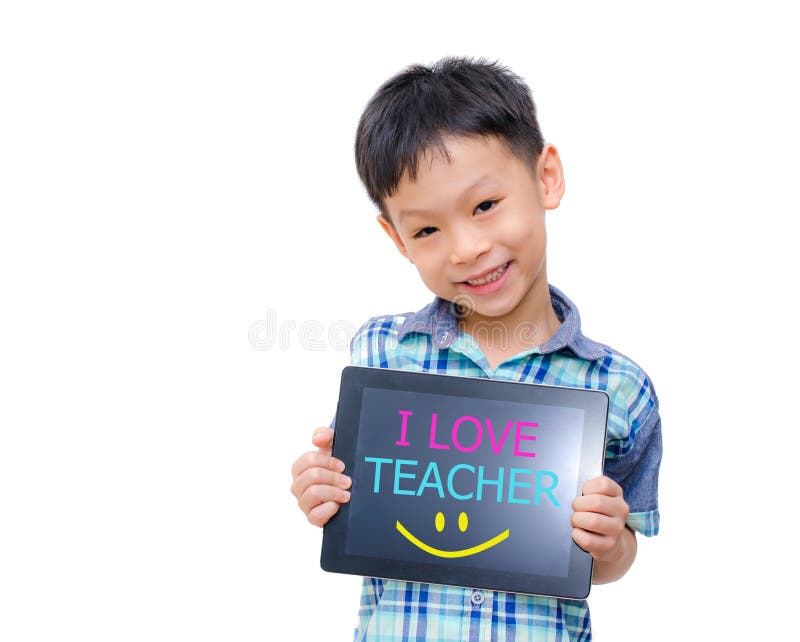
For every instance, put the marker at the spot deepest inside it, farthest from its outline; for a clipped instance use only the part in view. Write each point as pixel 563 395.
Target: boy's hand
pixel 599 520
pixel 317 480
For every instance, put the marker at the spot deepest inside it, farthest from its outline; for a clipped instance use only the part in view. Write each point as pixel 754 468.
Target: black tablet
pixel 464 481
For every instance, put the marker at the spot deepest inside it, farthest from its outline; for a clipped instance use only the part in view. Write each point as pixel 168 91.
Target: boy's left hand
pixel 599 519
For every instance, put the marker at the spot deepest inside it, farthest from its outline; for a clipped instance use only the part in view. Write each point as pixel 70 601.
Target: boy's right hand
pixel 317 480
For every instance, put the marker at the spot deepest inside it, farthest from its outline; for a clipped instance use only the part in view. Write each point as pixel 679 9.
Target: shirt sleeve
pixel 636 471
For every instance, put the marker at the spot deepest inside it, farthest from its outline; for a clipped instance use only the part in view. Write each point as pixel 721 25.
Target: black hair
pixel 412 110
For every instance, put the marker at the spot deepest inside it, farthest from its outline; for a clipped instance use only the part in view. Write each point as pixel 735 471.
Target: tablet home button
pixel 477 598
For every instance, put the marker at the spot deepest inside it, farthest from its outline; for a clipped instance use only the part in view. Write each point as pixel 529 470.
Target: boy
pixel 453 158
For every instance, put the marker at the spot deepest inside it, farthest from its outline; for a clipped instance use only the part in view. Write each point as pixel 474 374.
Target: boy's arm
pixel 611 571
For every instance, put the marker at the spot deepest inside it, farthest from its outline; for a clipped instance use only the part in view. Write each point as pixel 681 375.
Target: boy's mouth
pixel 491 276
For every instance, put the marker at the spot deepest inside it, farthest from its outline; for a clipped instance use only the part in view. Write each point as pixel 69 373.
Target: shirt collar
pixel 438 320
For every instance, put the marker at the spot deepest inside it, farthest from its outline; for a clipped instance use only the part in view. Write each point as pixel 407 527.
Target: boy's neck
pixel 529 325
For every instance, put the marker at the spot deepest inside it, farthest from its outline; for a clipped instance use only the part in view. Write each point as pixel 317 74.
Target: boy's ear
pixel 550 174
pixel 392 233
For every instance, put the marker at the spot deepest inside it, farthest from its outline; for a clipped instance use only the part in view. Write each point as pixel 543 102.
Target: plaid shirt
pixel 429 341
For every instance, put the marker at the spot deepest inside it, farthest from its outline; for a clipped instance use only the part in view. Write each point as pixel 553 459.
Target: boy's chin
pixel 464 304
pixel 467 307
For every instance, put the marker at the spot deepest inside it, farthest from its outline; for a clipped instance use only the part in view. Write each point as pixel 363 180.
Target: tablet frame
pixel 334 558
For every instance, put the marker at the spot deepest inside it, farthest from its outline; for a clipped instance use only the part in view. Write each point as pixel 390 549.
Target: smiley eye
pixel 439 521
pixel 463 521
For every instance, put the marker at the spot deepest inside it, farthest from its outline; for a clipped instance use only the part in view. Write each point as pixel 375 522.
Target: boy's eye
pixel 425 231
pixel 488 205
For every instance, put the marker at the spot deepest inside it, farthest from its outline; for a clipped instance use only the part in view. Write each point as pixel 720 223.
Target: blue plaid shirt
pixel 429 341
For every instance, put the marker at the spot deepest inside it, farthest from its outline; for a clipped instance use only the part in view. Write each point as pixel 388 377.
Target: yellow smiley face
pixel 463 523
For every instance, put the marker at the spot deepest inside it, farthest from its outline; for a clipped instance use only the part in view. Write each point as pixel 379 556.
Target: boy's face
pixel 474 227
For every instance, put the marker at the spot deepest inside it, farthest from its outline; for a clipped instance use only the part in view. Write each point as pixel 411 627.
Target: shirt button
pixel 477 598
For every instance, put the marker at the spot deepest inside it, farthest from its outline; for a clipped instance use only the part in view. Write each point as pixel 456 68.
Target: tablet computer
pixel 464 481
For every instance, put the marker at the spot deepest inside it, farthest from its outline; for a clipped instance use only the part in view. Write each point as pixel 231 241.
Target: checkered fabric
pixel 429 341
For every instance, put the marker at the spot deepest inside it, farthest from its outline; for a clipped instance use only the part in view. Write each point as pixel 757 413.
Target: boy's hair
pixel 411 112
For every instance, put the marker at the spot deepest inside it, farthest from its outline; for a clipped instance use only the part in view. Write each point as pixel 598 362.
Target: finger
pixel 598 524
pixel 602 486
pixel 317 475
pixel 320 514
pixel 603 504
pixel 600 547
pixel 319 493
pixel 316 458
pixel 594 544
pixel 323 438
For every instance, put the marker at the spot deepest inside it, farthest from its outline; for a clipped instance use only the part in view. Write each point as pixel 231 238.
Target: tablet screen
pixel 464 481
pixel 476 482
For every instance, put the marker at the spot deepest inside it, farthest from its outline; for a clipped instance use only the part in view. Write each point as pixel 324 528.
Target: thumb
pixel 323 438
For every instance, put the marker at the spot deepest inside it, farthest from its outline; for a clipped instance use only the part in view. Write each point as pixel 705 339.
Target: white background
pixel 173 173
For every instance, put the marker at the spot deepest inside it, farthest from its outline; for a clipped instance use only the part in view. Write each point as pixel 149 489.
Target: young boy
pixel 453 158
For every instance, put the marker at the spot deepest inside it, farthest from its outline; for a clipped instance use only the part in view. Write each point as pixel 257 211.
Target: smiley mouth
pixel 464 552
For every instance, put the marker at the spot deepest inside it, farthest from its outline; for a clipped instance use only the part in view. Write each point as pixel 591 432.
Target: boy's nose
pixel 467 245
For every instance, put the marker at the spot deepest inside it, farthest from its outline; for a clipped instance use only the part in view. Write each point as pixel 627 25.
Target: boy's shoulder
pixel 628 372
pixel 379 337
pixel 632 397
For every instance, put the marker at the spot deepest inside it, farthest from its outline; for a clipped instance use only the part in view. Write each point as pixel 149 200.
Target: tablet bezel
pixel 577 583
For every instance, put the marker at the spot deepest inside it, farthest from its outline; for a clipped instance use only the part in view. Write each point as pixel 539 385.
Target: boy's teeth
pixel 491 277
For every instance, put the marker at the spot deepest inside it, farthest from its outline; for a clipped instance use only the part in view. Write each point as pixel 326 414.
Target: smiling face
pixel 474 227
pixel 463 523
